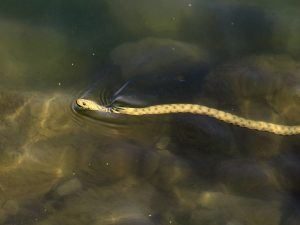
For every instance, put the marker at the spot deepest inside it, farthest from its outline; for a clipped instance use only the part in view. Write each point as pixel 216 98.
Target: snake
pixel 193 109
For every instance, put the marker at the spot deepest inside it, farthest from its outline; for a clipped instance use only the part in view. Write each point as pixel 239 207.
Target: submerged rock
pixel 268 82
pixel 8 208
pixel 230 29
pixel 11 102
pixel 154 55
pixel 35 56
pixel 172 172
pixel 69 187
pixel 32 156
pixel 144 16
pixel 259 88
pixel 249 177
pixel 125 202
pixel 211 207
pixel 288 168
pixel 117 161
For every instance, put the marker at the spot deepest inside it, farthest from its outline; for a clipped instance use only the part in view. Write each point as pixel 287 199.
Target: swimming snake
pixel 194 109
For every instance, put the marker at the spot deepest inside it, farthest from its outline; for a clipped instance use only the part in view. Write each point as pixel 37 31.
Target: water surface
pixel 60 165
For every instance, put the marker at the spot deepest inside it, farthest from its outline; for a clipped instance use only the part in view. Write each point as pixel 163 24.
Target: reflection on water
pixel 62 165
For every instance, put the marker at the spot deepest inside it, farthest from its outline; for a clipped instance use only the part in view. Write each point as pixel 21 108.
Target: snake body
pixel 194 109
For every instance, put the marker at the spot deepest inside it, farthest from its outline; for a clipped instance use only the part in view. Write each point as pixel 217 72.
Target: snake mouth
pixel 78 104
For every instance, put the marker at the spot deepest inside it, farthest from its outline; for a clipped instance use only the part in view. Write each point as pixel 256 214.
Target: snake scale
pixel 194 109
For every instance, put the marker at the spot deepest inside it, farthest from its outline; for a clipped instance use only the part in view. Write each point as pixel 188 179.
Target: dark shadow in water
pixel 288 167
pixel 179 85
pixel 230 30
pixel 87 25
pixel 75 18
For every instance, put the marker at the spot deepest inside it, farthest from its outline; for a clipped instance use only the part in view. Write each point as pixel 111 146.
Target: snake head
pixel 90 105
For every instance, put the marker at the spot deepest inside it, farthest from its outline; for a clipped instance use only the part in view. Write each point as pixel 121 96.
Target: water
pixel 61 165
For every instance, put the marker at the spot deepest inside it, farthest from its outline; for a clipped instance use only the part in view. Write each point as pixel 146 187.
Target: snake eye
pixel 83 103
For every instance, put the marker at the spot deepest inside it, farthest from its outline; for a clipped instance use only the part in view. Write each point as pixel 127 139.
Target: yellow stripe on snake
pixel 194 109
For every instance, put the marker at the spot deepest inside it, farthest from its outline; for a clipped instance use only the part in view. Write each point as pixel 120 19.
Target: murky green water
pixel 61 165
